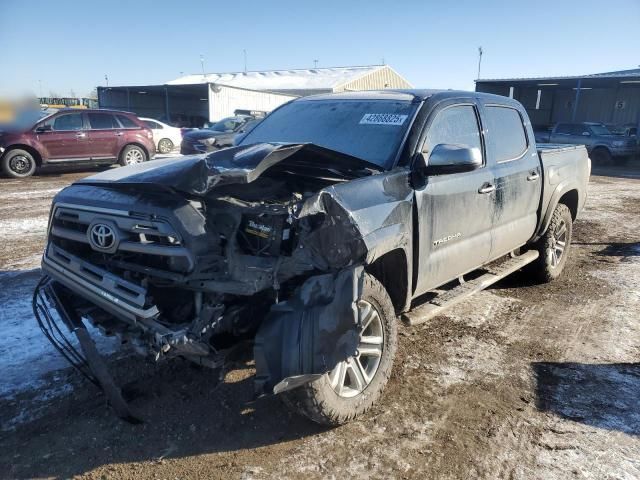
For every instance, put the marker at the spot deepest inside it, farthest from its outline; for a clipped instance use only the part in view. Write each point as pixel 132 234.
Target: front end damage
pixel 189 258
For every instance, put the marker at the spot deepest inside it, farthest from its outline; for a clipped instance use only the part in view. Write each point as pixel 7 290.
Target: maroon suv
pixel 72 136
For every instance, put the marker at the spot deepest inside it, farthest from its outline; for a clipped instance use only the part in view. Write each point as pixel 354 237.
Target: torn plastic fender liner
pixel 308 335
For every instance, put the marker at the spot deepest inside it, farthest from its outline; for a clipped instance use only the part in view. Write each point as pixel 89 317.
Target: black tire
pixel 547 267
pixel 320 402
pixel 18 163
pixel 131 155
pixel 165 145
pixel 601 156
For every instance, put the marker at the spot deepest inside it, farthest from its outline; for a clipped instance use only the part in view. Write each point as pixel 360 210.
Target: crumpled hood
pixel 199 174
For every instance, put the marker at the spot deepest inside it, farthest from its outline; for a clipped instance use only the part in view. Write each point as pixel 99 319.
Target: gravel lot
pixel 521 381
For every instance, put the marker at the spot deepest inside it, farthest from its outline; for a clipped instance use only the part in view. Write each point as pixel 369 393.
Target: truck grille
pixel 147 242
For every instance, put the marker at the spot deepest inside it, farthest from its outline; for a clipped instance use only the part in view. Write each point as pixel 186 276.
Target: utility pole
pixel 315 64
pixel 106 79
pixel 244 51
pixel 202 63
pixel 479 61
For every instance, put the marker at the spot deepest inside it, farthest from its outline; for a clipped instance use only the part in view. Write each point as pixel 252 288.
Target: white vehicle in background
pixel 165 136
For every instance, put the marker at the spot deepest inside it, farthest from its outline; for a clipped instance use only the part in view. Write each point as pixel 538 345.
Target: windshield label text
pixel 382 119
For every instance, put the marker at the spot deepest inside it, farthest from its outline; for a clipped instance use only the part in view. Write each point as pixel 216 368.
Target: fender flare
pixel 560 190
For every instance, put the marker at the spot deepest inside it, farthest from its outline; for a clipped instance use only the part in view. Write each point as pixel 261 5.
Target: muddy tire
pixel 132 155
pixel 350 389
pixel 165 145
pixel 18 163
pixel 554 246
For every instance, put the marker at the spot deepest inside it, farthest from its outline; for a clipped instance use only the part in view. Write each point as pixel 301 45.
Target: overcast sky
pixel 70 46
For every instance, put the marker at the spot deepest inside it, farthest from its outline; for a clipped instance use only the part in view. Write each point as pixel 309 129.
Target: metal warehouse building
pixel 611 97
pixel 194 99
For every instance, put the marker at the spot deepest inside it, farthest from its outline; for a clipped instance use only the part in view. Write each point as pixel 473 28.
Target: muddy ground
pixel 521 381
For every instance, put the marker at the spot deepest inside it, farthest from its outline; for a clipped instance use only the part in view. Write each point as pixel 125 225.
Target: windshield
pixel 228 124
pixel 371 130
pixel 600 130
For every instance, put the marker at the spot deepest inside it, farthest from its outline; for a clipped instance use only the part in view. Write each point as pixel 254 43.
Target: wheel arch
pixel 137 144
pixel 391 270
pixel 566 193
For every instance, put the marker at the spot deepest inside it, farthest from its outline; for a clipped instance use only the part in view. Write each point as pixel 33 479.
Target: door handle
pixel 487 188
pixel 533 176
pixel 81 135
pixel 119 134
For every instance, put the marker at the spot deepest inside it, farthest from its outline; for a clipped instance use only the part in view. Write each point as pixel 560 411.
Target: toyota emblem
pixel 102 237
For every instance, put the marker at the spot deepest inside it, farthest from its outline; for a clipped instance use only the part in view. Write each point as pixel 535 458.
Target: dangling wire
pixel 49 326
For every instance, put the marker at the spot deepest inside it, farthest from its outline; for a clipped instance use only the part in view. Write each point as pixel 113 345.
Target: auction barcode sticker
pixel 382 119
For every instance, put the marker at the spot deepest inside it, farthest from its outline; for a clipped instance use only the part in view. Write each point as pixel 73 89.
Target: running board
pixel 443 301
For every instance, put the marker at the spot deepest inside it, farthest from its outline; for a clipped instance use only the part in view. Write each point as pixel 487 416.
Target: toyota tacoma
pixel 308 240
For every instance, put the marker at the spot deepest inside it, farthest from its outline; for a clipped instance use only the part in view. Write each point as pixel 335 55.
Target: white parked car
pixel 165 136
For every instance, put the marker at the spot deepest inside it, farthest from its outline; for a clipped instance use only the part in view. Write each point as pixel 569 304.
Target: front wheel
pixel 131 155
pixel 355 384
pixel 18 163
pixel 554 245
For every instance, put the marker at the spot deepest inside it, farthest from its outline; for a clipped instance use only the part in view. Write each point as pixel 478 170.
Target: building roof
pixel 634 72
pixel 297 79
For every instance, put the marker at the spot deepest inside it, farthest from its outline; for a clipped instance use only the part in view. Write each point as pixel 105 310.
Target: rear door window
pixel 152 125
pixel 564 129
pixel 506 129
pixel 126 122
pixel 102 121
pixel 70 121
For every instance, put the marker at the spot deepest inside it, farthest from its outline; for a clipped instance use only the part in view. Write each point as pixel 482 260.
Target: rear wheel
pixel 554 245
pixel 601 156
pixel 132 154
pixel 18 164
pixel 165 145
pixel 355 384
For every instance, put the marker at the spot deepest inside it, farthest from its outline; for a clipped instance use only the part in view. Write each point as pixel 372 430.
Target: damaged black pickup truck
pixel 332 218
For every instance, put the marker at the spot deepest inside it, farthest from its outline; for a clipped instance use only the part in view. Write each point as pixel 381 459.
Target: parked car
pixel 603 145
pixel 72 136
pixel 332 217
pixel 165 136
pixel 215 136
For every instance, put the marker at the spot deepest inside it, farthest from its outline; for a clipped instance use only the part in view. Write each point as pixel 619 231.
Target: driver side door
pixel 455 209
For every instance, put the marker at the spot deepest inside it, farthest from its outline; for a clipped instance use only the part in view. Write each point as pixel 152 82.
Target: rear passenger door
pixel 454 210
pixel 517 173
pixel 104 135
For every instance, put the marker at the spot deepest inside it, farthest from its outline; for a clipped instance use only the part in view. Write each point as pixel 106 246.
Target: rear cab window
pixel 507 131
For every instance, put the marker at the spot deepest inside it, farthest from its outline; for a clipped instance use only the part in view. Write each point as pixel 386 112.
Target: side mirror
pixel 44 128
pixel 449 158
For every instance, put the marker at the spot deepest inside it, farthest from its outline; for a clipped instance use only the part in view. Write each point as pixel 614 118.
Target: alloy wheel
pixel 558 244
pixel 133 156
pixel 352 376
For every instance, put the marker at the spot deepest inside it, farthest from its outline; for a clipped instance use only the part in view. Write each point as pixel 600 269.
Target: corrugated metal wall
pixel 380 79
pixel 223 101
pixel 618 104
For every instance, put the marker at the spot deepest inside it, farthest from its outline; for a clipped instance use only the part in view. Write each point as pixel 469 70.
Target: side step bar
pixel 494 272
